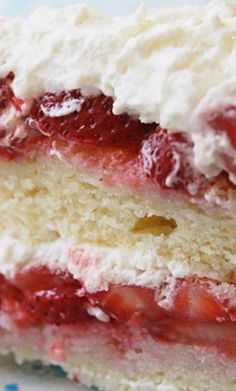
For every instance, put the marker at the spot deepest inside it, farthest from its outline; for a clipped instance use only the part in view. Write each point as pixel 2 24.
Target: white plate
pixel 33 377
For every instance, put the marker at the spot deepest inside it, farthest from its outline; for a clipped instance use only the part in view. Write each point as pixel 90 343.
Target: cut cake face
pixel 118 195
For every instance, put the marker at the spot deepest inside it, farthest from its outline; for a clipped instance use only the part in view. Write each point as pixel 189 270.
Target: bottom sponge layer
pixel 122 359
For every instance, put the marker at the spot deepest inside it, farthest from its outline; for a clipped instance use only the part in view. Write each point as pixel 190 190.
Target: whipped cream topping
pixel 165 66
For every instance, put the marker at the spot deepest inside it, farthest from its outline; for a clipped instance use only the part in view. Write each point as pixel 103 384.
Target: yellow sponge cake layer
pixel 46 201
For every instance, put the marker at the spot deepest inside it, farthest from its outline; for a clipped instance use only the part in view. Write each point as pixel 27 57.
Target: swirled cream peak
pixel 163 65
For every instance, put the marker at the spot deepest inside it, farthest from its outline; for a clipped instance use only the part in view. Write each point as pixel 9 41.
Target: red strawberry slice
pixel 41 278
pixel 6 93
pixel 12 303
pixel 40 296
pixel 56 307
pixel 50 297
pixel 194 302
pixel 93 123
pixel 158 156
pixel 126 302
pixel 168 159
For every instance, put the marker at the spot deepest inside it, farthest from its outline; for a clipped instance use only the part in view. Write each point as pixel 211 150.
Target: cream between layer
pixel 99 267
pixel 96 267
pixel 167 66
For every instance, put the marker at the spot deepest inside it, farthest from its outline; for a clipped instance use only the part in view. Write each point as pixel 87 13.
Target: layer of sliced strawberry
pixel 195 315
pixel 193 300
pixel 165 158
pixel 125 302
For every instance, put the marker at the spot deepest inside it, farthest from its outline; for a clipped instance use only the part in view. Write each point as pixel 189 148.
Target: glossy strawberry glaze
pixel 198 313
pixel 122 150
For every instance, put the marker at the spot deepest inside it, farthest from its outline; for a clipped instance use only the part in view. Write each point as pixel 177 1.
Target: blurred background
pixel 112 7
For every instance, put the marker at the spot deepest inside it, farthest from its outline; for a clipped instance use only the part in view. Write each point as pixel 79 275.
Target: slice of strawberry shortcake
pixel 118 195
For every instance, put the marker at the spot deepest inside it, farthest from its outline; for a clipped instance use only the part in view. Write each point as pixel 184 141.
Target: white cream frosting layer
pixel 167 66
pixel 99 267
pixel 96 267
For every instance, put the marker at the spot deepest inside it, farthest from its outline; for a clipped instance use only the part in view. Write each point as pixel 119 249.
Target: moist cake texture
pixel 118 195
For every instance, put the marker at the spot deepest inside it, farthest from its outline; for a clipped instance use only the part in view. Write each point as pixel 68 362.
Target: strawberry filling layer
pixel 199 313
pixel 67 124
